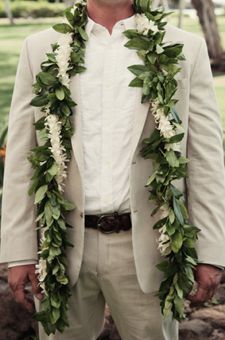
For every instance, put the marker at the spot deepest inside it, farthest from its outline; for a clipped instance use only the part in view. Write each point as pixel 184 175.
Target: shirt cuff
pixel 215 265
pixel 21 263
pixel 220 267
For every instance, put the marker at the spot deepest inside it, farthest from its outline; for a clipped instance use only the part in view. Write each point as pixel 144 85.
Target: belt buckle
pixel 99 223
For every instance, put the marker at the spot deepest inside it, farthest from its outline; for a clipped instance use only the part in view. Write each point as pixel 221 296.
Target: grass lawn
pixel 11 38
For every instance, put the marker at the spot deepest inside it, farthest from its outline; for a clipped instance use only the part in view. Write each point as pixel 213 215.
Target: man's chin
pixel 113 3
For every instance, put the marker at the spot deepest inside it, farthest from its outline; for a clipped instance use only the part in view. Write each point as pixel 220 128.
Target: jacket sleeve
pixel 18 234
pixel 206 175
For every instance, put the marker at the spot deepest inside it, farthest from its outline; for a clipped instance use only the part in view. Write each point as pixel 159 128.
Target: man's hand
pixel 18 277
pixel 207 278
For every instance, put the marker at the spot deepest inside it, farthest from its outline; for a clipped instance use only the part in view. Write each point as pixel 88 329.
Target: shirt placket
pixel 108 82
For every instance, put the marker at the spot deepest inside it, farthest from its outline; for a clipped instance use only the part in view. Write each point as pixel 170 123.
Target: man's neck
pixel 108 15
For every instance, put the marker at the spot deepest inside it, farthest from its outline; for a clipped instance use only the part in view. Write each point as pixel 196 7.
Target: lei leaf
pixel 63 28
pixel 60 94
pixel 48 160
pixel 39 101
pixel 47 79
pixel 40 194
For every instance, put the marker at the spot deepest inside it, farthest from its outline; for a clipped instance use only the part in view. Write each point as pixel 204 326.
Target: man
pixel 107 175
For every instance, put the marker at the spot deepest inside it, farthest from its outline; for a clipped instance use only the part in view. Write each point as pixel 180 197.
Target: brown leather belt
pixel 109 223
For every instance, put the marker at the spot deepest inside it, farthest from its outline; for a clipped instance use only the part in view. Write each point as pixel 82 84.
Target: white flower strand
pixel 54 125
pixel 62 54
pixel 167 130
pixel 144 24
pixel 163 124
pixel 41 267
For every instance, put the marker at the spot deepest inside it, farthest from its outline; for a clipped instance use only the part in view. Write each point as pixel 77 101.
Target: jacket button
pixel 81 215
pixel 134 162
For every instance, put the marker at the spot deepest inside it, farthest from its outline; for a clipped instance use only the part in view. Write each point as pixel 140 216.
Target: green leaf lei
pixel 156 76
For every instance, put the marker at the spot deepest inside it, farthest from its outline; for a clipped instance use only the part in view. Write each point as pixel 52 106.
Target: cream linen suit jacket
pixel 204 189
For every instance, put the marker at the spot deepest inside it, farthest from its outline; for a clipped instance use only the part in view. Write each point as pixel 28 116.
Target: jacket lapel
pixel 77 142
pixel 140 116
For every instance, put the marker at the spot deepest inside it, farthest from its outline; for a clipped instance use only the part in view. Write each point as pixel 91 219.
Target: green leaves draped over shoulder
pixel 49 161
pixel 156 76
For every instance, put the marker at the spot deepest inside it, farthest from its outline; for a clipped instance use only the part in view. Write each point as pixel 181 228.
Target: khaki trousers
pixel 108 276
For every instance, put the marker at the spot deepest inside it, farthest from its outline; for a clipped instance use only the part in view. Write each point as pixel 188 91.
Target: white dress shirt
pixel 107 111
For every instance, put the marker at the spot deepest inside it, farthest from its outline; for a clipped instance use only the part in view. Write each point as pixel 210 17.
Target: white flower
pixel 144 24
pixel 46 110
pixel 173 146
pixel 179 128
pixel 53 125
pixel 81 2
pixel 41 271
pixel 164 210
pixel 167 130
pixel 41 267
pixel 62 55
pixel 159 49
pixel 165 127
pixel 164 242
pixel 74 7
pixel 162 121
pixel 42 238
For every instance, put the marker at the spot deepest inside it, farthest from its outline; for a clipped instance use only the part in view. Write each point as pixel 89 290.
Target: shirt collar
pixel 128 23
